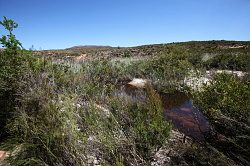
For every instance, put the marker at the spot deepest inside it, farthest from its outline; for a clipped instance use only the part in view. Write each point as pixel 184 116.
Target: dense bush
pixel 54 117
pixel 227 95
pixel 226 102
pixel 167 71
pixel 53 128
pixel 229 62
pixel 149 125
pixel 143 123
pixel 128 133
pixel 11 67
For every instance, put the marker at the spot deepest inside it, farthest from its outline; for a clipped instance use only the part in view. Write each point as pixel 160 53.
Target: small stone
pixel 138 82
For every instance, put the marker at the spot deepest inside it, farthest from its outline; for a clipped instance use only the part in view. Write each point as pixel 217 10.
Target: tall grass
pixel 57 120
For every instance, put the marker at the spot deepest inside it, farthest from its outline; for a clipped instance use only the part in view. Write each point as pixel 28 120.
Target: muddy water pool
pixel 178 109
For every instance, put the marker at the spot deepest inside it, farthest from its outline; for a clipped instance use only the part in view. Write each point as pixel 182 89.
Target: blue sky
pixel 49 24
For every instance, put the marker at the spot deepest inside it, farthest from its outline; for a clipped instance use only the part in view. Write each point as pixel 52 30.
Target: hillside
pixel 211 54
pixel 150 50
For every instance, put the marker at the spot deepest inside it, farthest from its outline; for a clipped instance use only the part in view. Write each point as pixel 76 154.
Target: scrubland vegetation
pixel 68 114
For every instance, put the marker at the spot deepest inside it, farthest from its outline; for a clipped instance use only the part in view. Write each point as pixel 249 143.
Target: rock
pixel 138 83
pixel 196 81
pixel 3 155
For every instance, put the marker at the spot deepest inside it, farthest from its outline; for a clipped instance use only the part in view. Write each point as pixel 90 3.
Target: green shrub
pixel 166 71
pixel 126 133
pixel 150 127
pixel 228 95
pixel 47 132
pixel 239 61
pixel 127 54
pixel 44 127
pixel 11 66
pixel 101 77
pixel 144 124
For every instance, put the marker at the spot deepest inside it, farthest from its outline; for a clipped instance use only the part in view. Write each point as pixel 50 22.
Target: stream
pixel 178 109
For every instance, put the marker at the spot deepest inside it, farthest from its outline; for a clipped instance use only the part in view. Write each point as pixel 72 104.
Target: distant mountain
pixel 89 47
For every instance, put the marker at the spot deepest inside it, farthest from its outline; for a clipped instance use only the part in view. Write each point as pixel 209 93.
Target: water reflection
pixel 178 108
